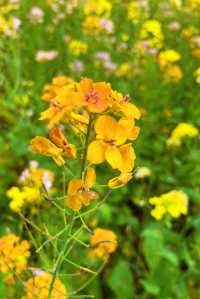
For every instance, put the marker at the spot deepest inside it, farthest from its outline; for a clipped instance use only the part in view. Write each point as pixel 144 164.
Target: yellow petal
pixel 74 186
pixel 96 152
pixel 113 157
pixel 106 127
pixel 120 181
pixel 74 202
pixel 44 146
pixel 128 158
pixel 90 178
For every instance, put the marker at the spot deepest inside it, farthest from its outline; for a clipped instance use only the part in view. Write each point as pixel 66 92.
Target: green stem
pixel 86 145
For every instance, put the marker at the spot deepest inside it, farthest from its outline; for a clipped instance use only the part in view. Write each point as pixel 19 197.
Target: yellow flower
pixel 13 255
pixel 59 139
pixel 44 146
pixel 152 32
pixel 61 105
pixel 103 242
pixel 133 11
pixel 94 95
pixel 168 57
pixel 173 73
pixel 92 25
pixel 100 8
pixel 197 75
pixel 109 145
pixel 51 91
pixel 182 130
pixel 120 180
pixel 174 202
pixel 123 70
pixel 79 193
pixel 78 47
pixel 22 198
pixel 120 103
pixel 38 287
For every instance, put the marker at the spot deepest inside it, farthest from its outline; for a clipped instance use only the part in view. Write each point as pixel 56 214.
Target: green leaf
pixel 121 280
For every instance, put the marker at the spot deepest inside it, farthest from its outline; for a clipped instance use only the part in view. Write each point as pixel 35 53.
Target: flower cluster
pixel 39 285
pixel 174 202
pixel 168 64
pixel 182 130
pixel 9 24
pixel 105 119
pixel 151 36
pixel 13 256
pixel 33 180
pixel 77 47
pixel 102 243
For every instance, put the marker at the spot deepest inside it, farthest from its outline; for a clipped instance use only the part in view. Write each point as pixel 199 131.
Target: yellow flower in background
pixel 92 25
pixel 14 254
pixel 168 57
pixel 99 8
pixel 167 60
pixel 109 145
pixel 151 33
pixel 197 75
pixel 103 242
pixel 38 287
pixel 173 73
pixel 182 130
pixel 123 70
pixel 174 203
pixel 133 11
pixel 22 198
pixel 193 4
pixel 77 47
pixel 34 176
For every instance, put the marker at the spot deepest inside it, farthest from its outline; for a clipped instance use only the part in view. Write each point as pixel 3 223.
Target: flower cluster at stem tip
pixel 103 118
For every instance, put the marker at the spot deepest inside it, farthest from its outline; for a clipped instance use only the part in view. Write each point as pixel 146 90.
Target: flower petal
pixel 113 157
pixel 96 152
pixel 106 127
pixel 128 157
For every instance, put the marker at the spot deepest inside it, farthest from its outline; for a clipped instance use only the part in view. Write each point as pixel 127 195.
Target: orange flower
pixel 103 242
pixel 94 96
pixel 51 91
pixel 59 139
pixel 78 193
pixel 67 98
pixel 121 104
pixel 111 135
pixel 44 146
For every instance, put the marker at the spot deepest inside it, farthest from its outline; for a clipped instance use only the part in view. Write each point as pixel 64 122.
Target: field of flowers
pixel 99 149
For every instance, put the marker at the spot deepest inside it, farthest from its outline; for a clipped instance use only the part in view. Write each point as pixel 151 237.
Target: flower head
pixel 103 242
pixel 174 202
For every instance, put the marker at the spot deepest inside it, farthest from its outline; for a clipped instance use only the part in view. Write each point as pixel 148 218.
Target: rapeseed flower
pixel 103 242
pixel 79 191
pixel 182 130
pixel 109 145
pixel 14 254
pixel 174 203
pixel 39 285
